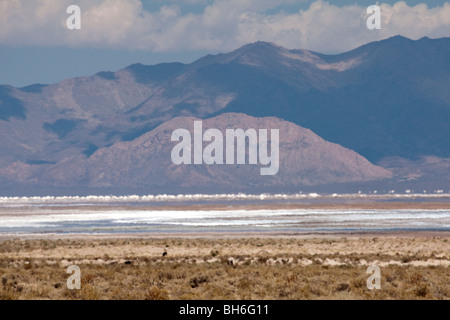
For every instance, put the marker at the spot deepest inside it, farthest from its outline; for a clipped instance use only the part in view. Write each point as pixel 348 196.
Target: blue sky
pixel 35 46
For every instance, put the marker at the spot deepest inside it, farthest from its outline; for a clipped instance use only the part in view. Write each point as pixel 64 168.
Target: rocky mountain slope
pixel 305 159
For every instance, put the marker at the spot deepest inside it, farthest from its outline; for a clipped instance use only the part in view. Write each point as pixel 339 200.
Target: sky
pixel 37 47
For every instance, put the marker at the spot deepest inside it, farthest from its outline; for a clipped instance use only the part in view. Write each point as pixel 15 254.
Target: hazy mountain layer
pixel 383 100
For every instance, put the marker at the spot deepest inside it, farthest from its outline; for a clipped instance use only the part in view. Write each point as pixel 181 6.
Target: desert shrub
pixel 343 287
pixel 263 260
pixel 156 293
pixel 214 253
pixel 421 290
pixel 197 281
pixel 416 278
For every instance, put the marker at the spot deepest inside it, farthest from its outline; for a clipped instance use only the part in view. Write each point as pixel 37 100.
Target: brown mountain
pixel 305 160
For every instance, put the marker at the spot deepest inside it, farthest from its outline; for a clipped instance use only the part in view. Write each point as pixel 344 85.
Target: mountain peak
pixel 261 45
pixel 398 38
pixel 259 48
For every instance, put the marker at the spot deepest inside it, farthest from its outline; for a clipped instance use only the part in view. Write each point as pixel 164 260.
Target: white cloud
pixel 223 25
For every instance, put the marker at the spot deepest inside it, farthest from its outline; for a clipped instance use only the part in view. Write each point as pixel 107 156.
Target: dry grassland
pixel 412 267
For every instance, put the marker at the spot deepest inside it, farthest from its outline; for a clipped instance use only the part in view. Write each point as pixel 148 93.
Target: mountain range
pixel 371 114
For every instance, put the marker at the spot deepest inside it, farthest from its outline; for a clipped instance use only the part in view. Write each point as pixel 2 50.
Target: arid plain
pixel 321 265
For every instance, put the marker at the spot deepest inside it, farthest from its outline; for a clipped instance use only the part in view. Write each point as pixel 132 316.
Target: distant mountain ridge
pixel 386 99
